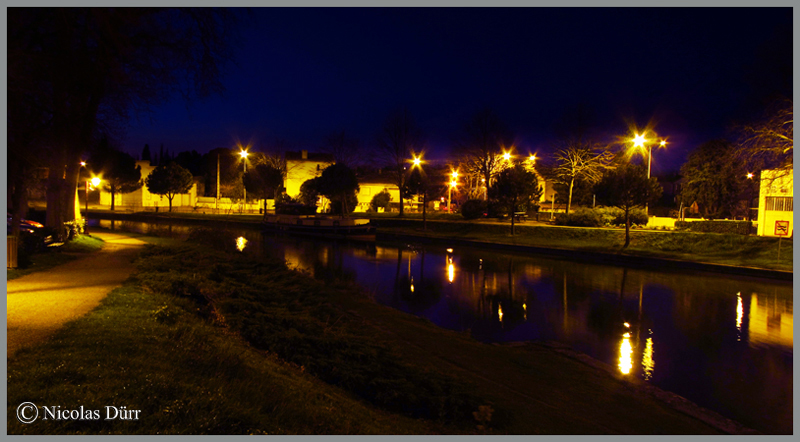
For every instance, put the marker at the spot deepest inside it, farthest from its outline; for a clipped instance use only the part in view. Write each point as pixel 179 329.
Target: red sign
pixel 781 228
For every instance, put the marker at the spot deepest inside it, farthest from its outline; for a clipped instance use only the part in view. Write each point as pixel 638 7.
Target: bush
pixel 736 227
pixel 381 199
pixel 473 208
pixel 495 209
pixel 580 218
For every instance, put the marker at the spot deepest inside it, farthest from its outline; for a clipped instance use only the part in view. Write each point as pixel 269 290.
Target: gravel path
pixel 40 303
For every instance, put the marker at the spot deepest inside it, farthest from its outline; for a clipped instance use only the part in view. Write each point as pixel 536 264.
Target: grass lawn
pixel 53 256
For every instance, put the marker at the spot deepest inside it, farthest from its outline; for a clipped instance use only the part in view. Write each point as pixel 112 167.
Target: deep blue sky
pixel 302 73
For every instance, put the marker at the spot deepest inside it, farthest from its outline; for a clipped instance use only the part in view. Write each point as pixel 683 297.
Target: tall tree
pixel 169 179
pixel 86 69
pixel 397 141
pixel 146 154
pixel 119 170
pixel 627 187
pixel 713 178
pixel 481 144
pixel 515 188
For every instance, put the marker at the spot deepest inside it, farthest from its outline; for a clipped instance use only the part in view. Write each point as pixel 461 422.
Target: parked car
pixel 34 236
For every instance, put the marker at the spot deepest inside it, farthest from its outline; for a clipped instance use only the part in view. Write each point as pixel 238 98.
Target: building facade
pixel 302 166
pixel 775 203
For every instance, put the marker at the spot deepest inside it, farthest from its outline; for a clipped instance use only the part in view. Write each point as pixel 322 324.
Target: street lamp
pixel 243 154
pixel 639 141
pixel 453 184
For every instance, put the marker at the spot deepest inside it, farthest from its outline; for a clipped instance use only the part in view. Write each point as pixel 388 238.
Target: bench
pixel 520 216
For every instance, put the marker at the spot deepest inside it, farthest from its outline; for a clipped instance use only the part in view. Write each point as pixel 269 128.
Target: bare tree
pixel 399 138
pixel 770 141
pixel 580 161
pixel 481 145
pixel 345 150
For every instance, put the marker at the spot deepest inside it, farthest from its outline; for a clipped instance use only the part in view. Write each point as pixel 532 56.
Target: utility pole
pixel 216 202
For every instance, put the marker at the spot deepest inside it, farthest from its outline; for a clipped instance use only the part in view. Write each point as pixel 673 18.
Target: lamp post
pixel 639 142
pixel 243 154
pixel 453 184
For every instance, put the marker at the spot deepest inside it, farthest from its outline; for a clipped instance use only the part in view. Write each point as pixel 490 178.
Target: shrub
pixel 495 209
pixel 473 208
pixel 614 216
pixel 736 227
pixel 381 199
pixel 580 218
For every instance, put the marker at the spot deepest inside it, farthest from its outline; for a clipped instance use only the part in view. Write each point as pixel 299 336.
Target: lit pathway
pixel 40 303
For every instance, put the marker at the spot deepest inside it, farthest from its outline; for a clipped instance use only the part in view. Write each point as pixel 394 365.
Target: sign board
pixel 781 228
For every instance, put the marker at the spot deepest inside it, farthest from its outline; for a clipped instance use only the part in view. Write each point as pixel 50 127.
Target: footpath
pixel 40 303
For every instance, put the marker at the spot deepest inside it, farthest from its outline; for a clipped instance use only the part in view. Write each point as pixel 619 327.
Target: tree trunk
pixel 113 196
pixel 569 200
pixel 169 197
pixel 424 212
pixel 627 228
pixel 344 205
pixel 400 182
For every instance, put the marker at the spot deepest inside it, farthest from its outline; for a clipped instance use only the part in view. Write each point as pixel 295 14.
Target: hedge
pixel 736 227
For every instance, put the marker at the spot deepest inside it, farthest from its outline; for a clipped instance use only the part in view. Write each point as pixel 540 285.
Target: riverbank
pixel 708 252
pixel 313 350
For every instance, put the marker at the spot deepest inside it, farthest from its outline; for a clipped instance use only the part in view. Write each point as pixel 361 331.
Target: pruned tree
pixel 579 161
pixel 398 139
pixel 119 170
pixel 169 179
pixel 627 187
pixel 516 187
pixel 481 146
pixel 309 192
pixel 339 184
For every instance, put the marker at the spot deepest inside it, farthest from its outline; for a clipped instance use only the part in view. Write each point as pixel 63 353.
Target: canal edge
pixel 672 400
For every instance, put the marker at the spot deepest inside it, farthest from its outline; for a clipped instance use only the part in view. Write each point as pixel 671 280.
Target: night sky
pixel 306 72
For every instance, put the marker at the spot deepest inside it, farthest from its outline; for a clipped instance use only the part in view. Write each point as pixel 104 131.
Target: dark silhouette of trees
pixel 481 145
pixel 264 181
pixel 169 179
pixel 769 142
pixel 84 70
pixel 714 179
pixel 397 141
pixel 345 150
pixel 516 187
pixel 420 181
pixel 627 187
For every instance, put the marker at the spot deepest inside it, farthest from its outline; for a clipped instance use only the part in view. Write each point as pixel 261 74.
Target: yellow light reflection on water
pixel 451 270
pixel 647 359
pixel 500 312
pixel 524 312
pixel 625 352
pixel 241 242
pixel 739 315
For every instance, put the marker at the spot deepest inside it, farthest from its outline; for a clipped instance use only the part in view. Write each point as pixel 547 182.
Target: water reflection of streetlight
pixel 739 316
pixel 648 364
pixel 625 352
pixel 243 154
pixel 241 242
pixel 500 312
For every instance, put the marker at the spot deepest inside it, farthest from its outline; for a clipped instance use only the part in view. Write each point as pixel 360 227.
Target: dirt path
pixel 40 303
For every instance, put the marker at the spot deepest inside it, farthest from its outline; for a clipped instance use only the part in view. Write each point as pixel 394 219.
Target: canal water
pixel 722 341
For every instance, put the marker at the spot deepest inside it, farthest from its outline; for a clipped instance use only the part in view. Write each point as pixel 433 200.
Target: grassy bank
pixel 53 256
pixel 150 351
pixel 727 249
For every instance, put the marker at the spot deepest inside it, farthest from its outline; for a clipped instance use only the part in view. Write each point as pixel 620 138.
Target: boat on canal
pixel 321 226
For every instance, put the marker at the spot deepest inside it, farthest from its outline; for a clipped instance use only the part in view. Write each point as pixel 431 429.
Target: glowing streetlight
pixel 417 161
pixel 506 156
pixel 453 184
pixel 750 175
pixel 243 154
pixel 639 142
pixel 532 158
